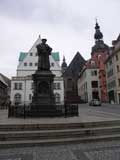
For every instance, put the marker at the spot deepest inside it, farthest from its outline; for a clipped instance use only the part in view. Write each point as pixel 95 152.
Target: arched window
pixel 17 98
pixel 99 56
pixel 57 97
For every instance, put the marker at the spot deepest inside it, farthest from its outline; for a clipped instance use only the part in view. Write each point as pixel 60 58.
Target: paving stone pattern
pixel 83 151
pixel 109 150
pixel 16 156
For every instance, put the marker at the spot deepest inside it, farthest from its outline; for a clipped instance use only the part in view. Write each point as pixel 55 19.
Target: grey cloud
pixel 67 24
pixel 47 11
pixel 17 9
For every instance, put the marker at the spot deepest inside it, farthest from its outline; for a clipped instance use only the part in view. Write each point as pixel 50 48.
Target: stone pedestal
pixel 43 101
pixel 43 88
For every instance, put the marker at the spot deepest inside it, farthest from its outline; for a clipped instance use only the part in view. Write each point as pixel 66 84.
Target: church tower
pixel 64 65
pixel 99 54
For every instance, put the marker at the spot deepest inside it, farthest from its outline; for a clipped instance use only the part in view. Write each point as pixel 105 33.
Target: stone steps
pixel 53 134
pixel 31 143
pixel 56 126
pixel 58 133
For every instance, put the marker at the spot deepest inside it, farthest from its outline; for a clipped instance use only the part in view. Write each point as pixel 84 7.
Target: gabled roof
pixel 2 80
pixel 117 40
pixel 75 66
pixel 5 79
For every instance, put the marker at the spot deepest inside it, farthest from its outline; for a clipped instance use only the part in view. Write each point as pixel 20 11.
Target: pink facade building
pixel 99 54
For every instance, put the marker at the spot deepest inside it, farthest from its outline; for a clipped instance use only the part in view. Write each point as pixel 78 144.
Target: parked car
pixel 95 102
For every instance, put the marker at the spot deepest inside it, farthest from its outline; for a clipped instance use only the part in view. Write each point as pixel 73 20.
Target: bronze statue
pixel 43 55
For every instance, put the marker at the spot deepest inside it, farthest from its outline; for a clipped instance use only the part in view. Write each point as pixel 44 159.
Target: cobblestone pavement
pixel 84 151
pixel 108 150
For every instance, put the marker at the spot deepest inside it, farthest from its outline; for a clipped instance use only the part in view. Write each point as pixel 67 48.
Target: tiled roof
pixel 22 56
pixel 2 80
pixel 5 80
pixel 55 55
pixel 75 66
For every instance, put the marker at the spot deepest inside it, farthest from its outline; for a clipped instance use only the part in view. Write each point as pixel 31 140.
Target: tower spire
pixel 99 43
pixel 64 65
pixel 98 34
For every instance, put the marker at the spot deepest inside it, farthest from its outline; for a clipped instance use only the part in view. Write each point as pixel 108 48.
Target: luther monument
pixel 43 100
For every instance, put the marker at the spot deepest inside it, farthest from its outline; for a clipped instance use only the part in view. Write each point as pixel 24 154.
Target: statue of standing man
pixel 43 55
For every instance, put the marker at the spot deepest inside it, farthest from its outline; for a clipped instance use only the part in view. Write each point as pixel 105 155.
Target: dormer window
pixel 25 64
pixel 52 64
pixel 30 64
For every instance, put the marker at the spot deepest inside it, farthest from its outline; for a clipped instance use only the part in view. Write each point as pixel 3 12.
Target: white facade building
pixel 22 84
pixel 88 84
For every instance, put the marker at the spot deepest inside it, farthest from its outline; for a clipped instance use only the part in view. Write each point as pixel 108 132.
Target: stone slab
pixel 16 156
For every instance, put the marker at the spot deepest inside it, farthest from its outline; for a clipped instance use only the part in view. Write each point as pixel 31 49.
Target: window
pixel 116 57
pixel 119 82
pixel 15 86
pixel 110 62
pixel 86 86
pixel 30 97
pixel 94 84
pixel 94 73
pixel 57 97
pixel 110 73
pixel 32 85
pixel 52 64
pixel 25 64
pixel 31 53
pixel 18 86
pixel 111 84
pixel 93 64
pixel 118 69
pixel 30 64
pixel 36 54
pixel 56 85
pixel 69 83
pixel 17 98
pixel 36 64
pixel 107 65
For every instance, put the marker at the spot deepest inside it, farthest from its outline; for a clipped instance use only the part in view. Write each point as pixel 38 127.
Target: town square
pixel 59 80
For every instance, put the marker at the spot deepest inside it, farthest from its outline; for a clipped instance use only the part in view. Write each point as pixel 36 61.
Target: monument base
pixel 46 110
pixel 43 100
pixel 39 110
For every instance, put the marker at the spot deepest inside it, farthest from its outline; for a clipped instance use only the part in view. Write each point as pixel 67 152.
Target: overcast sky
pixel 67 24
